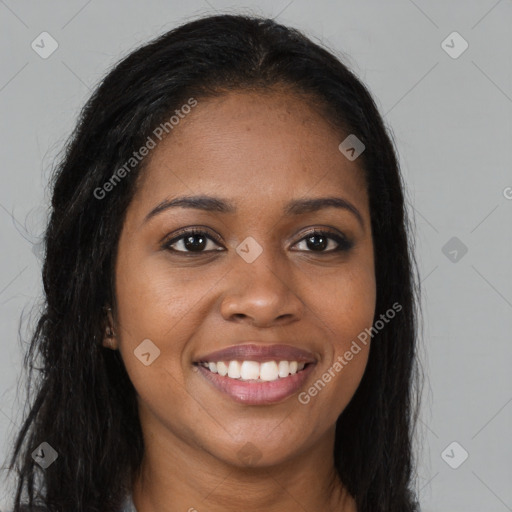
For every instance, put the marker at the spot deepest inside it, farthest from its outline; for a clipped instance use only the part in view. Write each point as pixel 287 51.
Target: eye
pixel 195 240
pixel 318 240
pixel 192 240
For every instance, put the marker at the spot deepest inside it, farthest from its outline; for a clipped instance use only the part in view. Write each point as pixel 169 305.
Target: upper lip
pixel 259 353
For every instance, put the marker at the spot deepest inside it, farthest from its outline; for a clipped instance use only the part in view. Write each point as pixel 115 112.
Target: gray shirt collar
pixel 128 505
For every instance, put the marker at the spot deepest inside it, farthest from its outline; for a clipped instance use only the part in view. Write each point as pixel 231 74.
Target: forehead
pixel 253 147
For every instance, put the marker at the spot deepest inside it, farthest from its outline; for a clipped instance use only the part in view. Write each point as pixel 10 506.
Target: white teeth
pixel 268 371
pixel 252 370
pixel 283 369
pixel 222 369
pixel 234 370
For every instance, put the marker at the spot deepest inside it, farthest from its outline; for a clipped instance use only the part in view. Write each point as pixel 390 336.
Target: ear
pixel 109 336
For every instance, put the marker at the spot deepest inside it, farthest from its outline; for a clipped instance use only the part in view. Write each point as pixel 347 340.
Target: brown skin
pixel 259 150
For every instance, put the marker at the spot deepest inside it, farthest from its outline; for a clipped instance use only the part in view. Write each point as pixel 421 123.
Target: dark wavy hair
pixel 81 400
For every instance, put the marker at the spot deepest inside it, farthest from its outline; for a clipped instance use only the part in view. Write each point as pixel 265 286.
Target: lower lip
pixel 258 393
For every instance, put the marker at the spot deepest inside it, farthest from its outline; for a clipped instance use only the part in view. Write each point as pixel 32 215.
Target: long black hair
pixel 82 402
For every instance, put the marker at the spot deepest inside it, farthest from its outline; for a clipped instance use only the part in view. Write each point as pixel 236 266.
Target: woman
pixel 231 300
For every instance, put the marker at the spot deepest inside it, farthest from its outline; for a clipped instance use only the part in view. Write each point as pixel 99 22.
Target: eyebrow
pixel 217 204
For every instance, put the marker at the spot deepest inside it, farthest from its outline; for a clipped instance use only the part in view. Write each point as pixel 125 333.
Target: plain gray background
pixel 452 122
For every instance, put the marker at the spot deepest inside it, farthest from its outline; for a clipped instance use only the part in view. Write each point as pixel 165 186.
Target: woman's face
pixel 256 277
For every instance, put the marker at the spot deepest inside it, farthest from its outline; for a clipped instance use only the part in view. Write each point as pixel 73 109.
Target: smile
pixel 252 370
pixel 253 383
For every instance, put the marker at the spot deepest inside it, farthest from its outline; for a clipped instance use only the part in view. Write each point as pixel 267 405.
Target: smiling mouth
pixel 255 383
pixel 253 371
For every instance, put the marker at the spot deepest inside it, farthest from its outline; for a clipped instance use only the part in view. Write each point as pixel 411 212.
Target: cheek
pixel 344 302
pixel 157 313
pixel 352 307
pixel 154 299
pixel 162 305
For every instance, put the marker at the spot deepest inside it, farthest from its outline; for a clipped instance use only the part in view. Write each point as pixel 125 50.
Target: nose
pixel 261 293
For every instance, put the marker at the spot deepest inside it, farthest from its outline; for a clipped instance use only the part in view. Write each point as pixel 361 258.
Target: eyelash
pixel 343 243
